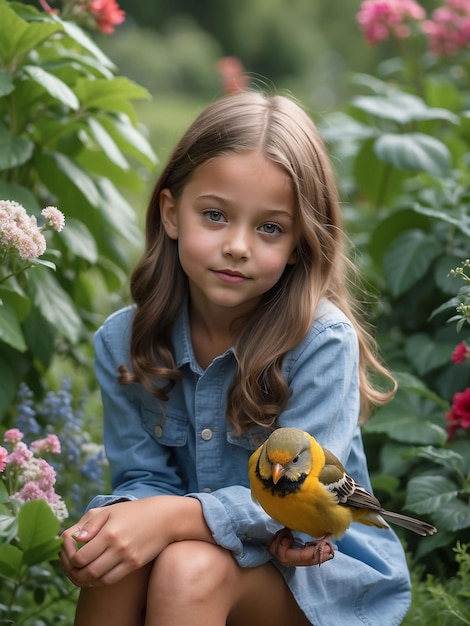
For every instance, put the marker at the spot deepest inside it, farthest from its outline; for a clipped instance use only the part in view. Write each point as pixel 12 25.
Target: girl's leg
pixel 194 583
pixel 122 604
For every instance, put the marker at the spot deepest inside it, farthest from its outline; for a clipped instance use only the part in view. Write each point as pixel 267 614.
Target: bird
pixel 305 488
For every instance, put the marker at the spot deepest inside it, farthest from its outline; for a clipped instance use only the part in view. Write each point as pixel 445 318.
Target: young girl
pixel 242 322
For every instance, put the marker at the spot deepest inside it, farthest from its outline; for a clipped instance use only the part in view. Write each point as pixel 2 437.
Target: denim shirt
pixel 185 447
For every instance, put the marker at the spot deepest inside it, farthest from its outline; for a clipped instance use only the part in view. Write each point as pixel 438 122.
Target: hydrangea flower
pixel 381 20
pixel 449 28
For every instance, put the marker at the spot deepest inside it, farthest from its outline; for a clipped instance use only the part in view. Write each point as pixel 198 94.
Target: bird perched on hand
pixel 304 487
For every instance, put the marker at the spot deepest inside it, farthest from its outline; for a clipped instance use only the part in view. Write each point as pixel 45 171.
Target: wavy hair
pixel 281 129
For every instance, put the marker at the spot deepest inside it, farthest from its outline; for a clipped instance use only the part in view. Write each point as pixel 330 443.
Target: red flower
pixel 107 14
pixel 459 415
pixel 460 353
pixel 233 77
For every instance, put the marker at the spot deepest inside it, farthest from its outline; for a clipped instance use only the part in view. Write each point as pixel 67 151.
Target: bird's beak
pixel 277 472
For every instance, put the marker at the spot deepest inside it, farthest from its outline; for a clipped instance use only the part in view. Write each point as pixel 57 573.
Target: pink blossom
pixel 460 353
pixel 13 435
pixel 3 458
pixel 21 455
pixel 107 14
pixel 50 444
pixel 19 231
pixel 232 73
pixel 54 218
pixel 449 29
pixel 381 20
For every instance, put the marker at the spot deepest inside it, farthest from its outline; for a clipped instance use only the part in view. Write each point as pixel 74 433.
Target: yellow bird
pixel 304 487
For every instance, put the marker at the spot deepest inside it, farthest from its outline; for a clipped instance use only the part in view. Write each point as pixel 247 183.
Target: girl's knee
pixel 192 569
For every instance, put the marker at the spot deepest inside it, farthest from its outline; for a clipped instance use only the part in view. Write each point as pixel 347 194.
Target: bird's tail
pixel 410 523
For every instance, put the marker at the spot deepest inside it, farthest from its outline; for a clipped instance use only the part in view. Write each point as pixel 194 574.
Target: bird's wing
pixel 346 490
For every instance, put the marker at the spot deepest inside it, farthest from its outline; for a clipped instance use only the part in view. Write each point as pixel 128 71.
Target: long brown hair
pixel 285 133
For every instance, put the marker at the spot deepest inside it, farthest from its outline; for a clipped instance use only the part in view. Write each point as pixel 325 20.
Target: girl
pixel 242 322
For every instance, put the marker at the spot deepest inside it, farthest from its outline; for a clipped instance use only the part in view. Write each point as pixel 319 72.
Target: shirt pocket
pixel 251 439
pixel 169 428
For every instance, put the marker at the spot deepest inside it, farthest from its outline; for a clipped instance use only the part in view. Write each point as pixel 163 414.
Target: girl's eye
pixel 213 215
pixel 271 229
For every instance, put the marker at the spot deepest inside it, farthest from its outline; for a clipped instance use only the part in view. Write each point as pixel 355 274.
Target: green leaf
pixel 38 528
pixel 55 87
pixel 408 259
pixel 108 95
pixel 414 151
pixel 117 212
pixel 76 176
pixel 15 150
pixel 377 180
pixel 107 144
pixel 19 36
pixel 428 494
pixel 453 516
pixel 17 299
pixel 55 304
pixel 19 194
pixel 6 84
pixel 80 241
pixel 426 354
pixel 393 225
pixel 412 383
pixel 402 108
pixel 442 456
pixel 129 138
pixel 80 37
pixel 10 329
pixel 11 561
pixel 403 426
pixel 461 220
pixel 8 386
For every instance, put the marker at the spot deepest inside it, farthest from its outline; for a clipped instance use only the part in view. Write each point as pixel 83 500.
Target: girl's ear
pixel 292 260
pixel 168 213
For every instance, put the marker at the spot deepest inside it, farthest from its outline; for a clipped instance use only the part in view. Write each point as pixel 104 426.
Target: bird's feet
pixel 283 547
pixel 323 549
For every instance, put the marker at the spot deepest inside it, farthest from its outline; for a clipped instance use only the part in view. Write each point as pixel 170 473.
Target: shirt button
pixel 206 434
pixel 158 430
pixel 207 490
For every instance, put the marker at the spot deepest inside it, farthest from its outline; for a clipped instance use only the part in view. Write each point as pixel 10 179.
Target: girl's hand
pixel 110 542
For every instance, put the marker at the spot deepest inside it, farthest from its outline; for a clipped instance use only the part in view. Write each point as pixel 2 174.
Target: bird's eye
pixel 295 459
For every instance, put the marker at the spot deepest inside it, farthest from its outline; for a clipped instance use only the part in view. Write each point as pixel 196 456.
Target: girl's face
pixel 236 231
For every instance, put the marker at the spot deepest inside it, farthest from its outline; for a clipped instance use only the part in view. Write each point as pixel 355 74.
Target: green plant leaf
pixel 54 303
pixel 129 138
pixel 20 194
pixel 461 220
pixel 453 515
pixel 80 241
pixel 442 456
pixel 378 181
pixel 428 494
pixel 107 144
pixel 55 87
pixel 15 150
pixel 57 170
pixel 412 383
pixel 108 95
pixel 414 151
pixel 83 40
pixel 19 36
pixel 6 84
pixel 426 354
pixel 402 108
pixel 408 259
pixel 405 427
pixel 38 528
pixel 393 225
pixel 8 386
pixel 11 561
pixel 10 329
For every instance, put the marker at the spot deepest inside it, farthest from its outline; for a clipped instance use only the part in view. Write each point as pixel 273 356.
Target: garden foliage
pixel 403 154
pixel 69 137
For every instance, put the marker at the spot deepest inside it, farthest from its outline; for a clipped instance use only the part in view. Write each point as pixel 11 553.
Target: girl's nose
pixel 237 245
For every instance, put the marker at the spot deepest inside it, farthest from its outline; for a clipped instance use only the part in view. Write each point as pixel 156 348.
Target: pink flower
pixel 54 218
pixel 381 20
pixel 3 458
pixel 50 444
pixel 21 455
pixel 449 29
pixel 233 77
pixel 460 353
pixel 13 435
pixel 19 231
pixel 107 14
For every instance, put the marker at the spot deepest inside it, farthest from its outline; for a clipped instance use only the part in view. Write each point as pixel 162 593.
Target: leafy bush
pixel 403 148
pixel 68 137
